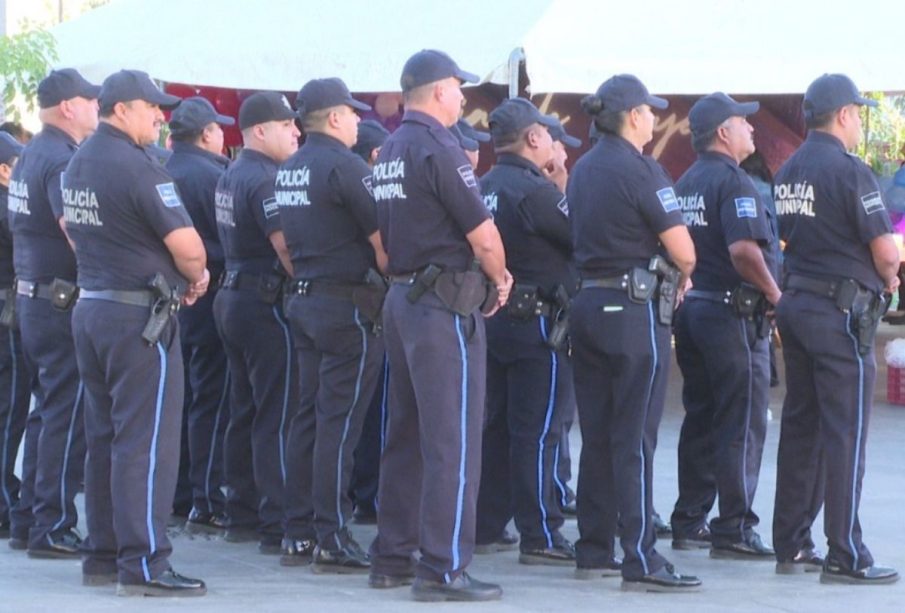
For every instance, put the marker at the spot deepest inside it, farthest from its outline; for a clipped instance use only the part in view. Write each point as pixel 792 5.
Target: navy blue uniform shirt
pixel 532 216
pixel 327 211
pixel 6 244
pixel 830 208
pixel 196 173
pixel 119 203
pixel 721 205
pixel 35 207
pixel 620 201
pixel 247 213
pixel 427 197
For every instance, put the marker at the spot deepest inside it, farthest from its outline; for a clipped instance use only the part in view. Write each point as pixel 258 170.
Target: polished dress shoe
pixel 462 588
pixel 296 552
pixel 570 509
pixel 506 542
pixel 98 579
pixel 19 544
pixel 169 583
pixel 661 528
pixel 202 522
pixel 350 559
pixel 611 568
pixel 698 539
pixel 751 548
pixel 664 580
pixel 381 581
pixel 364 514
pixel 4 529
pixel 63 546
pixel 872 575
pixel 561 554
pixel 807 560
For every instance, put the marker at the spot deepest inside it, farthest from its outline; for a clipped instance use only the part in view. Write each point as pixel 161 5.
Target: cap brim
pixel 165 101
pixel 91 92
pixel 481 137
pixel 570 141
pixel 547 120
pixel 358 105
pixel 747 108
pixel 657 102
pixel 865 101
pixel 467 77
pixel 224 120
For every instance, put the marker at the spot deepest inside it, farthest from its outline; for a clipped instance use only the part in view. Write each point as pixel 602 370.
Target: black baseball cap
pixel 430 65
pixel 371 134
pixel 319 94
pixel 128 85
pixel 558 132
pixel 830 92
pixel 624 92
pixel 9 148
pixel 514 115
pixel 64 84
pixel 194 114
pixel 470 139
pixel 710 111
pixel 262 107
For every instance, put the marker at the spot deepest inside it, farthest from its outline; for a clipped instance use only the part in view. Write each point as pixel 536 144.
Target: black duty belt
pixel 246 281
pixel 34 290
pixel 620 282
pixel 822 287
pixel 315 287
pixel 700 294
pixel 408 279
pixel 139 298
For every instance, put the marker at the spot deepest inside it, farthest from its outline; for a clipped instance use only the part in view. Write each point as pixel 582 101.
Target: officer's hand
pixel 683 289
pixel 505 288
pixel 197 289
pixel 893 284
pixel 555 170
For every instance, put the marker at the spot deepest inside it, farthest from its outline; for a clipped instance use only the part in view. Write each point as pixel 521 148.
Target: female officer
pixel 623 208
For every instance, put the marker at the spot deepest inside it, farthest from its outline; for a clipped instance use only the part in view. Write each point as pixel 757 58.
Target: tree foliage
pixel 883 145
pixel 25 59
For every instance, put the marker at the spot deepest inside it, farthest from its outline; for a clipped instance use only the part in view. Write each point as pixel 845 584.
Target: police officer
pixel 529 377
pixel 15 375
pixel 130 232
pixel 196 165
pixel 839 258
pixel 434 226
pixel 470 140
pixel 330 223
pixel 623 209
pixel 722 331
pixel 371 136
pixel 45 517
pixel 255 333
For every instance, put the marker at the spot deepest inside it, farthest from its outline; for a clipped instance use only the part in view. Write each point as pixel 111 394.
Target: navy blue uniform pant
pixel 824 428
pixel 263 397
pixel 339 363
pixel 620 356
pixel 726 373
pixel 529 388
pixel 366 459
pixel 206 403
pixel 431 463
pixel 563 468
pixel 56 448
pixel 15 396
pixel 133 412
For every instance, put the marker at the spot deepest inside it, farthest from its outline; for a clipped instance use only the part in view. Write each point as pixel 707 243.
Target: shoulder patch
pixel 366 181
pixel 271 208
pixel 466 173
pixel 746 207
pixel 668 199
pixel 491 202
pixel 563 206
pixel 169 195
pixel 872 202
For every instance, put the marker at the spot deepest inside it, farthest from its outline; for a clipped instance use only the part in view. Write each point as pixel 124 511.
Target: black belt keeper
pixel 309 287
pixel 525 301
pixel 620 282
pixel 268 286
pixel 34 290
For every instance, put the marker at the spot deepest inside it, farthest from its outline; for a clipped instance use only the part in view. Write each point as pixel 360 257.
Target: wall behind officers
pixel 624 212
pixel 434 226
pixel 250 319
pixel 721 332
pixel 328 217
pixel 196 165
pixel 839 260
pixel 45 517
pixel 138 258
pixel 15 374
pixel 529 375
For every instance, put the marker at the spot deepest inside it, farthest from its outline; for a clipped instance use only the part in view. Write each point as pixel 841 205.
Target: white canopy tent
pixel 570 46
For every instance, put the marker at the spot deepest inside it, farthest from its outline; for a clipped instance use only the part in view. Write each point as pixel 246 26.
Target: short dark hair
pixel 823 120
pixel 14 129
pixel 701 142
pixel 186 137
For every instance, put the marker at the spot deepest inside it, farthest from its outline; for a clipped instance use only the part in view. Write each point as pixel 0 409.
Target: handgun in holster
pixel 866 311
pixel 558 336
pixel 669 277
pixel 369 297
pixel 164 306
pixel 750 303
pixel 424 281
pixel 8 312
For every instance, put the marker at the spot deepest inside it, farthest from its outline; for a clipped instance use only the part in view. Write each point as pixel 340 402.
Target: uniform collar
pixel 824 138
pixel 192 149
pixel 59 134
pixel 511 159
pixel 319 139
pixel 256 156
pixel 618 141
pixel 716 156
pixel 108 129
pixel 437 128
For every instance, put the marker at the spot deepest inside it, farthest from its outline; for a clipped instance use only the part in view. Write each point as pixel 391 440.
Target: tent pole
pixel 515 60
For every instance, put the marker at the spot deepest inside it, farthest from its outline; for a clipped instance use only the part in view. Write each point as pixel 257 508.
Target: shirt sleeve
pixel 742 213
pixel 53 188
pixel 456 187
pixel 866 208
pixel 657 199
pixel 158 201
pixel 546 213
pixel 352 181
pixel 264 207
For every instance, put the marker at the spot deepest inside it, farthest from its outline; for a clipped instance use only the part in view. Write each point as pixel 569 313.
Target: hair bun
pixel 591 104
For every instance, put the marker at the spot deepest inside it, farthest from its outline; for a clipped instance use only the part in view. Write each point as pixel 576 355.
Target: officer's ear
pixel 374 153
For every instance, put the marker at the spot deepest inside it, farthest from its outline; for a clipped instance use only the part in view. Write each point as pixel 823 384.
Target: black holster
pixel 462 292
pixel 866 310
pixel 63 294
pixel 165 305
pixel 8 312
pixel 368 298
pixel 669 277
pixel 749 303
pixel 558 337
